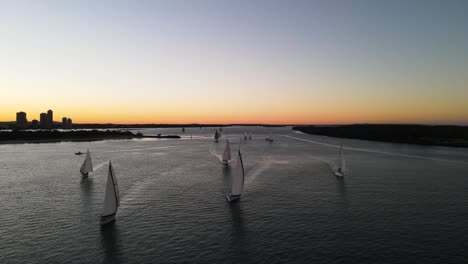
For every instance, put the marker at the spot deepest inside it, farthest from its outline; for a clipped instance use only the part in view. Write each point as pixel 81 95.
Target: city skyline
pixel 45 121
pixel 269 62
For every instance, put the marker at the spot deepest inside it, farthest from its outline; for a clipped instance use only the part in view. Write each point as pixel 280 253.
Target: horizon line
pixel 244 124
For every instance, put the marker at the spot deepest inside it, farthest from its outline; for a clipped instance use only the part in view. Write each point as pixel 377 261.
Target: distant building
pixel 44 121
pixel 64 122
pixel 70 123
pixel 50 119
pixel 35 124
pixel 21 121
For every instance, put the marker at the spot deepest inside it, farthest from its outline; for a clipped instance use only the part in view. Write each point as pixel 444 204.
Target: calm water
pixel 398 203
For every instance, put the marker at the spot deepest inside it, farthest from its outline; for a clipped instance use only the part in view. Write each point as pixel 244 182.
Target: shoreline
pixel 447 136
pixel 54 136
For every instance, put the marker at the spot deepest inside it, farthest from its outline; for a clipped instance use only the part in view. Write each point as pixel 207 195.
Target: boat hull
pixel 225 162
pixel 339 174
pixel 232 198
pixel 110 219
pixel 84 175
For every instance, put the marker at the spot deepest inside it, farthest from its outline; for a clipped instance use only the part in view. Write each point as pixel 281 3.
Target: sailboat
pixel 269 138
pixel 245 134
pixel 111 198
pixel 216 136
pixel 183 130
pixel 250 136
pixel 227 153
pixel 341 169
pixel 87 166
pixel 237 182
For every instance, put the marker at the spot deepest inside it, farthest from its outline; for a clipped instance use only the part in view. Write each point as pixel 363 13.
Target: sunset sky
pixel 247 61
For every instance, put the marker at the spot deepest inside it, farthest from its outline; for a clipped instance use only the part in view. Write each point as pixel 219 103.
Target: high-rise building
pixel 70 123
pixel 34 124
pixel 64 122
pixel 21 121
pixel 44 121
pixel 50 119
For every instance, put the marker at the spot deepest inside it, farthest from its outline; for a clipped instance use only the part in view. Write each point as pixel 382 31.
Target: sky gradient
pixel 248 61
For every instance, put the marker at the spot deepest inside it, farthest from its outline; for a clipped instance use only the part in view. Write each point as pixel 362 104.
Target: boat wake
pixel 262 166
pixel 135 194
pixel 214 154
pixel 332 165
pixel 378 151
pixel 97 167
pixel 130 150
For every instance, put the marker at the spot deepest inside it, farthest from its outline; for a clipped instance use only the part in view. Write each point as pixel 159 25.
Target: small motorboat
pixel 79 153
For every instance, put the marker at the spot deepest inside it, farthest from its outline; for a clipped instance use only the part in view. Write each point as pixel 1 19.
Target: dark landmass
pixel 45 136
pixel 451 136
pixel 160 136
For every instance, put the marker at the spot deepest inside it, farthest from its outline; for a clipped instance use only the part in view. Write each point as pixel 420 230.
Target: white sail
pixel 111 197
pixel 237 183
pixel 87 164
pixel 227 151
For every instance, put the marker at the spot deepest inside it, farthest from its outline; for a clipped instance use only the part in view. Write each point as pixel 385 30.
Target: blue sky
pixel 278 61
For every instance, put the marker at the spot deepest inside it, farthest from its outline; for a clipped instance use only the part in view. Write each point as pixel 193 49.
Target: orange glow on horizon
pixel 323 117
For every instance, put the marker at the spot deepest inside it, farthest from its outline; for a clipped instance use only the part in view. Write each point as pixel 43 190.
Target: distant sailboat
pixel 269 138
pixel 111 198
pixel 250 136
pixel 341 169
pixel 216 136
pixel 227 153
pixel 237 183
pixel 87 166
pixel 183 130
pixel 245 134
